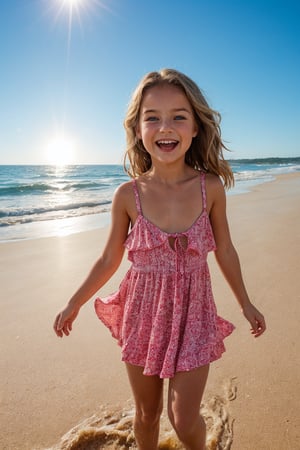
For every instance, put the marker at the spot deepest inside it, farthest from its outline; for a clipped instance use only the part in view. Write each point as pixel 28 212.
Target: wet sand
pixel 49 385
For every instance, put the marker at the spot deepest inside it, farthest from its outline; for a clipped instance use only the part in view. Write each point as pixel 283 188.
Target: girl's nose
pixel 165 125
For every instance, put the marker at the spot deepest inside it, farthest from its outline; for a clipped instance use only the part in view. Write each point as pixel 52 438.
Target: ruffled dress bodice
pixel 163 315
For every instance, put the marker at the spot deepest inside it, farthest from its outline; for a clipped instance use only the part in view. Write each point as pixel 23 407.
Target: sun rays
pixel 60 148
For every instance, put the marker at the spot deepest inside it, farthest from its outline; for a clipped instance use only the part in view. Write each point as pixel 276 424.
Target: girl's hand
pixel 256 320
pixel 64 321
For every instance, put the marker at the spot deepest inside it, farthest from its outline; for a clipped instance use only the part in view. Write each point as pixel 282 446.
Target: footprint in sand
pixel 112 430
pixel 218 420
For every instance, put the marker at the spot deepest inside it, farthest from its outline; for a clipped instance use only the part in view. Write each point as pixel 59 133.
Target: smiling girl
pixel 168 217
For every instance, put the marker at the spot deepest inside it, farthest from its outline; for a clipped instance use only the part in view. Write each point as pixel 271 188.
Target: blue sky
pixel 75 82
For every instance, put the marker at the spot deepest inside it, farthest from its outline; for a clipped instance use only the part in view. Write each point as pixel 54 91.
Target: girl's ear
pixel 195 130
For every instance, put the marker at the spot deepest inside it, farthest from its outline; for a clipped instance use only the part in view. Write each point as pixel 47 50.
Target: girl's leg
pixel 185 395
pixel 148 395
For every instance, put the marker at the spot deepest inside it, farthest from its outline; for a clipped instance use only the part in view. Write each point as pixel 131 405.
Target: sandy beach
pixel 50 385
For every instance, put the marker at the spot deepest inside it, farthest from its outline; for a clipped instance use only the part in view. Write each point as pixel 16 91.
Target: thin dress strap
pixel 137 197
pixel 203 190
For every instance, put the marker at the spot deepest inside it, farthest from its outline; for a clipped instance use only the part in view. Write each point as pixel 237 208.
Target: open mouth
pixel 167 145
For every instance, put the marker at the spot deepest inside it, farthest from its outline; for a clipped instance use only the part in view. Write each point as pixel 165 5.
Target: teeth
pixel 166 142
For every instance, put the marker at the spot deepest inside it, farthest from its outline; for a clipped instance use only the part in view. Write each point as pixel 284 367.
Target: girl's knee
pixel 185 424
pixel 148 416
pixel 180 424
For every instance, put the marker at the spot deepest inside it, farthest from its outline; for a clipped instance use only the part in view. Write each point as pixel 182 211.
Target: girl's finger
pixel 58 326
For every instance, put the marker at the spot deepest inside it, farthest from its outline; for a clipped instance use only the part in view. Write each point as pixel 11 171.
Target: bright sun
pixel 60 151
pixel 76 4
pixel 75 9
pixel 72 2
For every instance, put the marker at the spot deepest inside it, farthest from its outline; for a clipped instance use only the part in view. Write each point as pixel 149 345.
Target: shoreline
pixel 49 385
pixel 88 222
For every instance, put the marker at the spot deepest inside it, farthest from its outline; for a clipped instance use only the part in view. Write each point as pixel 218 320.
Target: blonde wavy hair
pixel 206 150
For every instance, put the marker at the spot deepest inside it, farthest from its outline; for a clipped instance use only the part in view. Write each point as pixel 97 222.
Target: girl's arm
pixel 228 259
pixel 104 267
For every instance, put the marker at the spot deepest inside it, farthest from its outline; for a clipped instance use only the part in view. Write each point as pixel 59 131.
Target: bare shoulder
pixel 124 199
pixel 213 182
pixel 214 188
pixel 124 190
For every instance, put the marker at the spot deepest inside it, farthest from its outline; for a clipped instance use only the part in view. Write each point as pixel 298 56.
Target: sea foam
pixel 112 427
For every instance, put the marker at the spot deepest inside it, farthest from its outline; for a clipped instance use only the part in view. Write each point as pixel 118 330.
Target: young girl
pixel 164 316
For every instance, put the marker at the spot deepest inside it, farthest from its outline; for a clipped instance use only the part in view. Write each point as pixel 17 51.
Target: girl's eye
pixel 179 117
pixel 151 119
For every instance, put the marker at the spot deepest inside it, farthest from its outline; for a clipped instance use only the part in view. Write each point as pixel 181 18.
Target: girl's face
pixel 166 124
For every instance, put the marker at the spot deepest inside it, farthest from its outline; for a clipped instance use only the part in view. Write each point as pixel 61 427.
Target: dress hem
pixel 162 375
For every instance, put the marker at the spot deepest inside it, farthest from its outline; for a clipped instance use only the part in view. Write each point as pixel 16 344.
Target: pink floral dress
pixel 163 315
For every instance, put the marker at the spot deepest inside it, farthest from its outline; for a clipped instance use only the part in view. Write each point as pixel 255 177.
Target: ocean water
pixel 41 201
